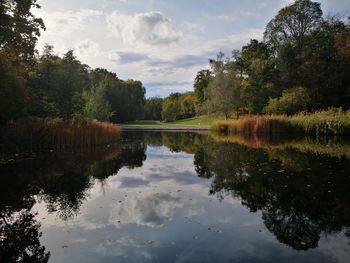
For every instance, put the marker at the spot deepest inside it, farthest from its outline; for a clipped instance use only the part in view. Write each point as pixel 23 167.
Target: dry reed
pixel 326 122
pixel 49 133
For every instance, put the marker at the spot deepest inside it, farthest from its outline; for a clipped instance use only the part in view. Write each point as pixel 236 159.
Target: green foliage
pixel 96 105
pixel 58 84
pixel 153 109
pixel 292 101
pixel 13 92
pixel 127 99
pixel 224 89
pixel 19 28
pixel 200 87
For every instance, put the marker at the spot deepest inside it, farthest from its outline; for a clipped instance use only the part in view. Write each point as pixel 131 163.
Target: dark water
pixel 180 197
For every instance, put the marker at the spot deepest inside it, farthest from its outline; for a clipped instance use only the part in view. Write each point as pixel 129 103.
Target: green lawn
pixel 205 120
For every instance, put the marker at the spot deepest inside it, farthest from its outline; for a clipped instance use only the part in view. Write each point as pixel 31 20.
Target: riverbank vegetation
pixel 324 122
pixel 44 134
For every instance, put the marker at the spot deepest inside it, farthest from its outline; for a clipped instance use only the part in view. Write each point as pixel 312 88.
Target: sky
pixel 163 43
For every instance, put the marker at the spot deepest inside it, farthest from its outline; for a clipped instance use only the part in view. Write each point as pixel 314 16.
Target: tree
pixel 256 67
pixel 171 107
pixel 13 89
pixel 200 86
pixel 153 109
pixel 19 28
pixel 178 106
pixel 58 84
pixel 96 105
pixel 126 98
pixel 224 89
pixel 293 22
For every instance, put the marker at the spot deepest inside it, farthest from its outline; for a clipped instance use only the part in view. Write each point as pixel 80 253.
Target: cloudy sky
pixel 163 43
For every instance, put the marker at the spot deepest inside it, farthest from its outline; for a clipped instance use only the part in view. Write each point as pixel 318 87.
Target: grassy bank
pixel 56 134
pixel 326 122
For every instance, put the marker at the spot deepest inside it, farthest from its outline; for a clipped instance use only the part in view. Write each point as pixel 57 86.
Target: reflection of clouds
pixel 152 210
pixel 130 182
pixel 124 246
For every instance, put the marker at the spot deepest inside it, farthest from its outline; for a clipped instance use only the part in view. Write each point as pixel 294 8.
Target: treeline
pixel 302 64
pixel 65 88
pixel 49 85
pixel 174 107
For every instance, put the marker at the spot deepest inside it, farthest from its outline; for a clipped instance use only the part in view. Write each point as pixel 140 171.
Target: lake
pixel 180 197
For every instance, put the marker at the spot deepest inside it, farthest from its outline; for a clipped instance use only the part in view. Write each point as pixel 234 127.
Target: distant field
pixel 195 122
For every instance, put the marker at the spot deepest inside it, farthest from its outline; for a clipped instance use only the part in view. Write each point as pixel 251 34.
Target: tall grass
pixel 326 122
pixel 56 134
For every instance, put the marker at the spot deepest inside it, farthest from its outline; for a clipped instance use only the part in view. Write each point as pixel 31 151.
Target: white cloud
pixel 63 23
pixel 151 28
pixel 86 48
pixel 194 28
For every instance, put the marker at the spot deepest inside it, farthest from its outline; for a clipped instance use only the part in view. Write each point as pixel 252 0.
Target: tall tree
pixel 224 89
pixel 200 86
pixel 293 22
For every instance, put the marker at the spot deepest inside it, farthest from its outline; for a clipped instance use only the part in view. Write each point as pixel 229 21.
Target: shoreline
pixel 180 128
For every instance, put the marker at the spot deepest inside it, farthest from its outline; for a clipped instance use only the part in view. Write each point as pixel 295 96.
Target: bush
pixel 292 101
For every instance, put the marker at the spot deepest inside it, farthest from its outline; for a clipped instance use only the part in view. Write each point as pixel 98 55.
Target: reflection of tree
pixel 300 194
pixel 65 192
pixel 133 154
pixel 62 182
pixel 20 239
pixel 293 229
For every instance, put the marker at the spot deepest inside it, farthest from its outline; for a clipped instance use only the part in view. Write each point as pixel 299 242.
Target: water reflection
pixel 152 210
pixel 298 188
pixel 20 238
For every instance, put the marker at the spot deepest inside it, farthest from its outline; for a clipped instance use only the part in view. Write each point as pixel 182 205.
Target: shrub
pixel 292 101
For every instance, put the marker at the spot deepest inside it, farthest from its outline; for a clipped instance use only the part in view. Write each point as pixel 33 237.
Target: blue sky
pixel 163 43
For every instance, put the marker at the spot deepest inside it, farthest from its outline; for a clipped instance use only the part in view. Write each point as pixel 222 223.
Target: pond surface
pixel 180 197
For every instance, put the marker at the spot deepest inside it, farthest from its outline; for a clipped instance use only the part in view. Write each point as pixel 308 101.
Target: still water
pixel 180 197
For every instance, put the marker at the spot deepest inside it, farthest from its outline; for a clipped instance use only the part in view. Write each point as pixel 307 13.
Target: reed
pixel 326 122
pixel 57 134
pixel 252 125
